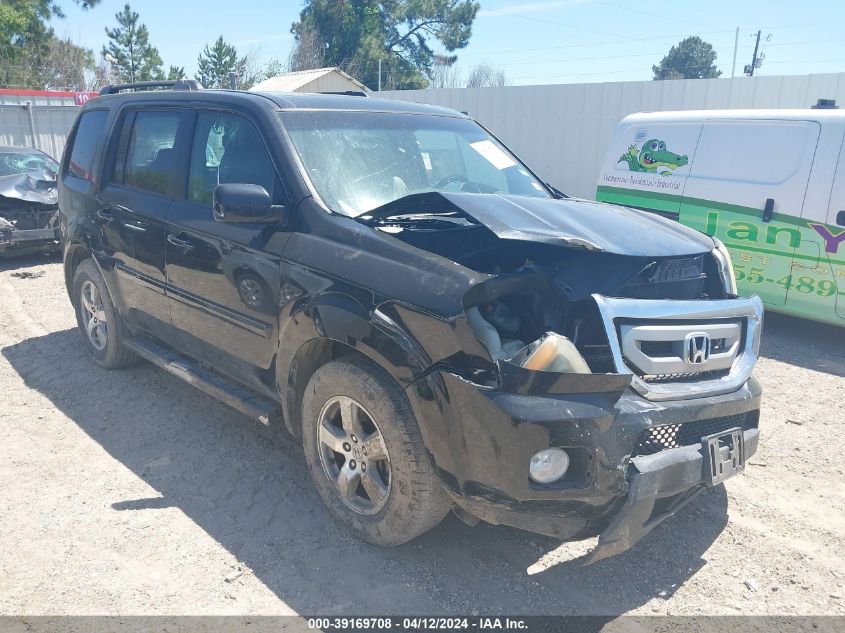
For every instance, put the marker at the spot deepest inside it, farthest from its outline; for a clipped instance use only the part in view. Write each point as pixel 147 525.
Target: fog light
pixel 548 465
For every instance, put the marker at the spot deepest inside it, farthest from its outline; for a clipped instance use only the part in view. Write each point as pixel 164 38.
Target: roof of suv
pixel 285 101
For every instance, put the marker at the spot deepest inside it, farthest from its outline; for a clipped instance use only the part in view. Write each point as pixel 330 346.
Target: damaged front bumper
pixel 660 485
pixel 638 449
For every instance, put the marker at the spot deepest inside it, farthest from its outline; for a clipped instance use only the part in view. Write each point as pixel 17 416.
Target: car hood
pixel 38 187
pixel 566 222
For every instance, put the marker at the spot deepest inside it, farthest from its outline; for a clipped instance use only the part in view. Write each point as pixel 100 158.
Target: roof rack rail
pixel 181 84
pixel 346 93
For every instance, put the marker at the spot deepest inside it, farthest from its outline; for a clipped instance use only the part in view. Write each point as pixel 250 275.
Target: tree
pixel 25 38
pixel 443 73
pixel 175 73
pixel 356 34
pixel 486 76
pixel 68 67
pixel 308 51
pixel 692 58
pixel 216 63
pixel 273 68
pixel 132 55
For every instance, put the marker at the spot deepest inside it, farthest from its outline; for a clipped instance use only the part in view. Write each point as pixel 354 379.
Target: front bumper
pixel 616 495
pixel 660 485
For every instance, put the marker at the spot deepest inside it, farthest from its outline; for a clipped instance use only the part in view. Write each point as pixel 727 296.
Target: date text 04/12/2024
pixel 419 623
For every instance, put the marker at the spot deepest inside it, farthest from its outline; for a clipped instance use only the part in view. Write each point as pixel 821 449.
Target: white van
pixel 769 183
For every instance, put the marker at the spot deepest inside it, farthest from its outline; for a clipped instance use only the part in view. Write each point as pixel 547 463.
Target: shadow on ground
pixel 28 261
pixel 253 496
pixel 804 343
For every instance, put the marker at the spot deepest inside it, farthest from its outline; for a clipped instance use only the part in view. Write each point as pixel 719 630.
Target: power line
pixel 663 37
pixel 695 67
pixel 648 54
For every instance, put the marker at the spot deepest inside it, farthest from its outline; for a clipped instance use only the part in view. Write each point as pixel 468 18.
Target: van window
pixel 151 159
pixel 81 162
pixel 227 149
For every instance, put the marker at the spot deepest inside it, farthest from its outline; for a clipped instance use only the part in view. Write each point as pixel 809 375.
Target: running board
pixel 234 395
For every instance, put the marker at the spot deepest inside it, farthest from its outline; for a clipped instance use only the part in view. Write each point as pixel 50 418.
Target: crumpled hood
pixel 32 187
pixel 574 222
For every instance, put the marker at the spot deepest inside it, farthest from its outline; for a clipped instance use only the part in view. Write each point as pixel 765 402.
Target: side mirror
pixel 245 203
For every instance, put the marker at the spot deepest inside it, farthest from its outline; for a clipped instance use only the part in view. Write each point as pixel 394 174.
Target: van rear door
pixel 746 186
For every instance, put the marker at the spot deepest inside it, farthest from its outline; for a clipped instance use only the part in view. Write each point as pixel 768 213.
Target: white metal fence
pixel 43 127
pixel 562 131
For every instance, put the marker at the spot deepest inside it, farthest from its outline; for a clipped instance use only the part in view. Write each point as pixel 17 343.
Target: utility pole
pixel 736 44
pixel 379 75
pixel 749 70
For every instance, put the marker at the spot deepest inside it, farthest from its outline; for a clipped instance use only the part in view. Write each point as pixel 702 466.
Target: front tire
pixel 366 456
pixel 98 320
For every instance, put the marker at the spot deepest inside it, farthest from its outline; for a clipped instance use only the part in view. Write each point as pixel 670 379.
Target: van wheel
pixel 366 456
pixel 98 320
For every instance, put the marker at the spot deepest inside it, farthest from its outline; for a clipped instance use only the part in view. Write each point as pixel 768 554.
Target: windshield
pixel 358 161
pixel 25 162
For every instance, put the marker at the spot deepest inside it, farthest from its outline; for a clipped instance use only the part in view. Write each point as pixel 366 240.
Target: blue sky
pixel 534 42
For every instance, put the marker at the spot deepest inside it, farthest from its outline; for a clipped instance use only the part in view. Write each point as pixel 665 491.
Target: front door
pixel 132 208
pixel 223 278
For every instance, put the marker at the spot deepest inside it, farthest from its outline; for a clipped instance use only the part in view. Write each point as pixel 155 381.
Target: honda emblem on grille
pixel 697 348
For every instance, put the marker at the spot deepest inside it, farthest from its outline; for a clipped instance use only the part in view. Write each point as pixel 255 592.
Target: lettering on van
pixel 652 157
pixel 750 232
pixel 832 241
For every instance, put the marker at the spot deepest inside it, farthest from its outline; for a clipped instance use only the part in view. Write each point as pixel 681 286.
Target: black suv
pixel 441 328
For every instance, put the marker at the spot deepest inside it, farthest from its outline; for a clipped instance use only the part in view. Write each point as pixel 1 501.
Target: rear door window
pixel 88 133
pixel 150 163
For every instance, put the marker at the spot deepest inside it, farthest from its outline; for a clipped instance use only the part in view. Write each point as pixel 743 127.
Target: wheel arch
pixel 340 327
pixel 75 254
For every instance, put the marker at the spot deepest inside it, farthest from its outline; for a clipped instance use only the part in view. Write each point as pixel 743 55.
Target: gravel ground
pixel 128 492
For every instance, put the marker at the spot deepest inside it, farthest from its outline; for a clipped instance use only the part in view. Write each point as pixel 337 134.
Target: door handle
pixel 768 210
pixel 105 215
pixel 180 243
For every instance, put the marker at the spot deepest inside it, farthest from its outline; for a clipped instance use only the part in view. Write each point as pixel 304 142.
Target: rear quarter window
pixel 88 134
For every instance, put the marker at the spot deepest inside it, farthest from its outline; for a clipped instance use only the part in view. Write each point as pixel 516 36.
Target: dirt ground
pixel 128 492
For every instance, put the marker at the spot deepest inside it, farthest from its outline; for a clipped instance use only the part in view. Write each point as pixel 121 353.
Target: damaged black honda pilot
pixel 441 328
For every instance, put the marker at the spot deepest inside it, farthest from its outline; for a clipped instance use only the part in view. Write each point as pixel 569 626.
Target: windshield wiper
pixel 413 206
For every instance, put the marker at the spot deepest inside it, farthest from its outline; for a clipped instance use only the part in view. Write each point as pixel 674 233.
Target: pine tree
pixel 214 65
pixel 132 55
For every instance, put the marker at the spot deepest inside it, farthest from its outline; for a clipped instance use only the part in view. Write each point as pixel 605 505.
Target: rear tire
pixel 366 455
pixel 102 328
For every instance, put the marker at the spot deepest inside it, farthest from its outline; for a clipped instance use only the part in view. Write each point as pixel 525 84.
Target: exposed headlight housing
pixel 725 267
pixel 548 465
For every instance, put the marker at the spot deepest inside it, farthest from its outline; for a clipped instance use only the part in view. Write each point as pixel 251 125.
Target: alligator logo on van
pixel 652 157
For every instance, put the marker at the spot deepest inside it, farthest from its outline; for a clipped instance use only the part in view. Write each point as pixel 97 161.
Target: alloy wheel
pixel 354 455
pixel 93 315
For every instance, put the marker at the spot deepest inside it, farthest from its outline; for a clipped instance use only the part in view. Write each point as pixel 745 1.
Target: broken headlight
pixel 725 267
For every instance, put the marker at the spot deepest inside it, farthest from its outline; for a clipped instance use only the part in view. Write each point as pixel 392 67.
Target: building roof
pixel 290 82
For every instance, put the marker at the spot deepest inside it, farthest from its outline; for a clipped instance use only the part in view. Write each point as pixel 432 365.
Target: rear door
pixel 223 278
pixel 747 186
pixel 133 206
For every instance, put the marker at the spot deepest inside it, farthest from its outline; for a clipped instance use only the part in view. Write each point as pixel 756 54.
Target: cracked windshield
pixel 358 161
